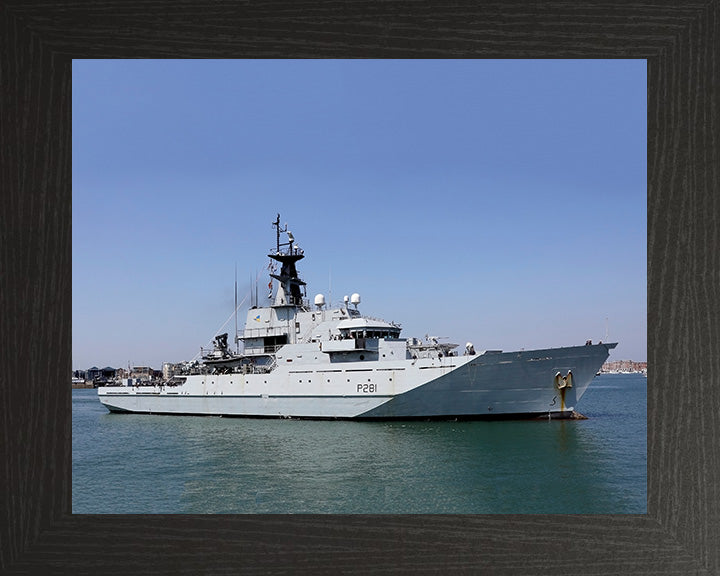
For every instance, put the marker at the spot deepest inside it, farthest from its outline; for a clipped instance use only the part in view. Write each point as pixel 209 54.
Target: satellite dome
pixel 355 299
pixel 319 300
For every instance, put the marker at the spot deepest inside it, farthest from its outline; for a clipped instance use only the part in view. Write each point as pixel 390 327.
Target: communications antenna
pixel 606 329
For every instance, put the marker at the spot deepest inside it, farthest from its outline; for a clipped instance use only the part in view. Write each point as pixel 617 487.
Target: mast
pixel 606 329
pixel 237 348
pixel 287 253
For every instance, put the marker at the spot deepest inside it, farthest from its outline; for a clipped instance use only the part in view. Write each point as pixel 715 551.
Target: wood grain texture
pixel 681 532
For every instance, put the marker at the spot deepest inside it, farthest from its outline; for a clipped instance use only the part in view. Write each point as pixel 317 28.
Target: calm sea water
pixel 125 463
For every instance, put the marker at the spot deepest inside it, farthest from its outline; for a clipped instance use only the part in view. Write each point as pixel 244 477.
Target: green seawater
pixel 144 464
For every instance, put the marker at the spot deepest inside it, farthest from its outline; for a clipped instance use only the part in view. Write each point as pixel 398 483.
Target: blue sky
pixel 498 202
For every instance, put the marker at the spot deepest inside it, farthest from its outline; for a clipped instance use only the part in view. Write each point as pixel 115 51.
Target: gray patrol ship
pixel 303 361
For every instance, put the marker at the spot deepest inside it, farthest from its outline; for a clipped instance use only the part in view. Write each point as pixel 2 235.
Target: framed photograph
pixel 40 532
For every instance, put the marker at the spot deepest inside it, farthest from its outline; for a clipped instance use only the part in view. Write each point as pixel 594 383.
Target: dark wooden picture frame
pixel 680 534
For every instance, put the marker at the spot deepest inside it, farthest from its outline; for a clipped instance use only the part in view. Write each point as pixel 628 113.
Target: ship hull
pixel 490 385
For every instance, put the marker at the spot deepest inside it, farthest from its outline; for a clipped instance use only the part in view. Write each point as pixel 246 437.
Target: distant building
pixel 168 370
pixel 141 372
pixel 99 376
pixel 624 366
pixel 144 373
